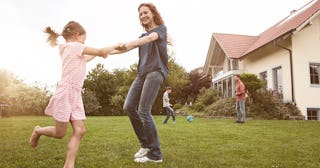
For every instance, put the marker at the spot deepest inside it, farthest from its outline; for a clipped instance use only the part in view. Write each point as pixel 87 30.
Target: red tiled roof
pixel 237 46
pixel 234 45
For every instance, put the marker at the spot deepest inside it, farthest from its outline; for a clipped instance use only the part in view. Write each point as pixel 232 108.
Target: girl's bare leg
pixel 57 131
pixel 74 143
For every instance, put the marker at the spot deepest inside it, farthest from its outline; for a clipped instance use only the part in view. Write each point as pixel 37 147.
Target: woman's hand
pixel 121 47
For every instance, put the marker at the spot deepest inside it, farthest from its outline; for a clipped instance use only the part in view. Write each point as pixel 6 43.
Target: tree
pixel 22 99
pixel 90 102
pixel 110 88
pixel 7 79
pixel 178 79
pixel 26 100
pixel 251 82
pixel 124 79
pixel 198 81
pixel 102 83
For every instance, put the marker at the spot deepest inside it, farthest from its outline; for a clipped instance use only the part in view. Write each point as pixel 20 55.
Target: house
pixel 286 56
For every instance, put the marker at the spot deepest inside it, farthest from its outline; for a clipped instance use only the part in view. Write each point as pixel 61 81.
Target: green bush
pixel 223 107
pixel 251 82
pixel 266 106
pixel 198 106
pixel 293 110
pixel 263 105
pixel 205 98
pixel 177 106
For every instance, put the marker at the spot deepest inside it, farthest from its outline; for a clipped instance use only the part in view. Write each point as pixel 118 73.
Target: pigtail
pixel 52 36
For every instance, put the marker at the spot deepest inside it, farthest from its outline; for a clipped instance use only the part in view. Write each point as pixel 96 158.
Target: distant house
pixel 286 56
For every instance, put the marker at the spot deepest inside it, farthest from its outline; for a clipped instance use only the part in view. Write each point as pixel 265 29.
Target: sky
pixel 190 23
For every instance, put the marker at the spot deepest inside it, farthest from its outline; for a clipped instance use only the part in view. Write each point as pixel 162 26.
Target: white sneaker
pixel 141 153
pixel 146 159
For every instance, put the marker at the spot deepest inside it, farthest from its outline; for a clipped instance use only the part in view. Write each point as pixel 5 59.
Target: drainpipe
pixel 291 69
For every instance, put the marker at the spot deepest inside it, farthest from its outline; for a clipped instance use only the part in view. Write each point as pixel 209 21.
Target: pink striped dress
pixel 66 103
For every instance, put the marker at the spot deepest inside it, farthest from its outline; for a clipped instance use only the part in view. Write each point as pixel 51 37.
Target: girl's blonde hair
pixel 70 29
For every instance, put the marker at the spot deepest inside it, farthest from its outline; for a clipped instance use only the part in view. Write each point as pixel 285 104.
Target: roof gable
pixel 237 46
pixel 288 24
pixel 234 45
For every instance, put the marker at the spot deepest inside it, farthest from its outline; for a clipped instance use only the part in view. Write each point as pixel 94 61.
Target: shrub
pixel 205 98
pixel 267 106
pixel 184 110
pixel 177 106
pixel 251 82
pixel 198 106
pixel 223 107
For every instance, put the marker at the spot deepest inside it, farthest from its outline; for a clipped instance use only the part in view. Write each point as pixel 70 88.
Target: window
pixel 230 86
pixel 277 81
pixel 263 77
pixel 312 114
pixel 315 74
pixel 233 64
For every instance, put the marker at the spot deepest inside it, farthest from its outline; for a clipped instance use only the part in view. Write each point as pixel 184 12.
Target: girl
pixel 66 103
pixel 152 70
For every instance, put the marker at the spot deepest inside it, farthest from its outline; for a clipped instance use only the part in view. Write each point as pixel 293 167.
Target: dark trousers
pixel 170 112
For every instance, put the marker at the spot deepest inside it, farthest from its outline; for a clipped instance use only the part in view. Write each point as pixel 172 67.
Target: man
pixel 240 100
pixel 167 106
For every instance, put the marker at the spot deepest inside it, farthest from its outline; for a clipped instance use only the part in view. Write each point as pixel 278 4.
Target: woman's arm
pixel 103 52
pixel 142 41
pixel 125 49
pixel 136 43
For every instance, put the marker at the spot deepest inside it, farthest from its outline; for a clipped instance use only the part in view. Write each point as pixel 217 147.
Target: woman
pixel 152 70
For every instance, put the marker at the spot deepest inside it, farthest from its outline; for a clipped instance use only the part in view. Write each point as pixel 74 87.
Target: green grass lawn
pixel 110 143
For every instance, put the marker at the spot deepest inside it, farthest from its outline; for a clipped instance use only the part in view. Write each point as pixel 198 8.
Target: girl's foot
pixel 34 137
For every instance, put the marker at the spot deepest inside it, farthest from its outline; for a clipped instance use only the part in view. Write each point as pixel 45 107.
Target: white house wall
pixel 306 44
pixel 266 59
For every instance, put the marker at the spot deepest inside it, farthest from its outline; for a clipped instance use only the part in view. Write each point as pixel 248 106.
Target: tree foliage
pixel 178 80
pixel 105 93
pixel 197 82
pixel 111 88
pixel 251 82
pixel 22 99
pixel 205 98
pixel 91 102
pixel 263 105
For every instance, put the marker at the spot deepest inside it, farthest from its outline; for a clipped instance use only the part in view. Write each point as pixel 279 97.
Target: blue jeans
pixel 170 112
pixel 138 104
pixel 241 110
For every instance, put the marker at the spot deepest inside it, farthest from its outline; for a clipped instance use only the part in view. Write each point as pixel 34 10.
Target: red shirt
pixel 240 91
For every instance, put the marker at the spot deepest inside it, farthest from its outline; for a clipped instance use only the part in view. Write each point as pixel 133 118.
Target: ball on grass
pixel 189 118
